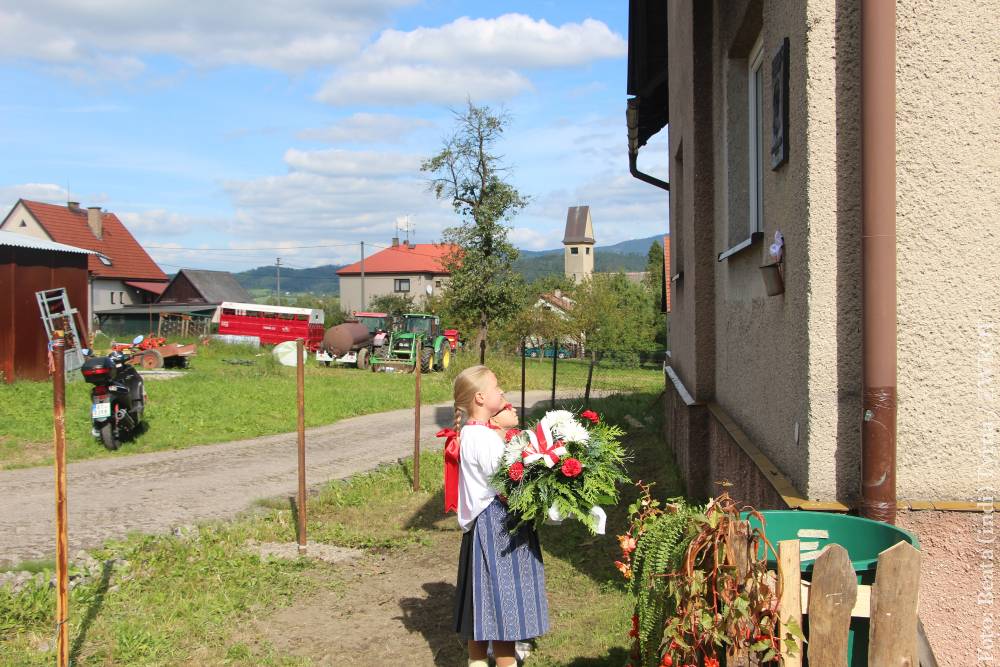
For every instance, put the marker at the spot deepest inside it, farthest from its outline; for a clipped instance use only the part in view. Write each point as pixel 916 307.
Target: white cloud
pixel 340 162
pixel 513 39
pixel 93 40
pixel 418 84
pixel 44 192
pixel 530 238
pixel 477 58
pixel 366 128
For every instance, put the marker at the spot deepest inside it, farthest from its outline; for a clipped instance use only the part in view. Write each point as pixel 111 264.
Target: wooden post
pixel 832 595
pixel 300 377
pixel 482 352
pixel 790 604
pixel 416 422
pixel 555 359
pixel 62 536
pixel 524 344
pixel 893 630
pixel 590 376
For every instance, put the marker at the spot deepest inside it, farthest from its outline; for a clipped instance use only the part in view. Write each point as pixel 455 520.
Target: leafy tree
pixel 654 283
pixel 392 304
pixel 468 173
pixel 612 314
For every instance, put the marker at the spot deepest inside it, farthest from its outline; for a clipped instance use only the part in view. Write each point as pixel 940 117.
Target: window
pixel 401 284
pixel 437 283
pixel 755 136
pixel 121 298
pixel 588 250
pixel 574 251
pixel 112 298
pixel 23 224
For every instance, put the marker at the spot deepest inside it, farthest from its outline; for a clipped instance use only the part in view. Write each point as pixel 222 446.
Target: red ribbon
pixel 452 456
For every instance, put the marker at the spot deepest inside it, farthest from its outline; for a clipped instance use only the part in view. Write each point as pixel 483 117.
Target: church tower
pixel 578 242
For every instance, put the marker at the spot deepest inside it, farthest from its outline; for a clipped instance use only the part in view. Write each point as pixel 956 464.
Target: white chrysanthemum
pixel 571 431
pixel 555 417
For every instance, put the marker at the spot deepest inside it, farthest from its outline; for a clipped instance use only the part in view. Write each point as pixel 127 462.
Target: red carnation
pixel 571 467
pixel 511 432
pixel 711 662
pixel 516 471
pixel 591 415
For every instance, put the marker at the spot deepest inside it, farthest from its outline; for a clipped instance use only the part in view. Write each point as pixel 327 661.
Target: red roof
pixel 128 258
pixel 419 258
pixel 155 288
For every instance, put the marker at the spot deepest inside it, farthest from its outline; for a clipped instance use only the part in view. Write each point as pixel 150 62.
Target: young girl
pixel 500 596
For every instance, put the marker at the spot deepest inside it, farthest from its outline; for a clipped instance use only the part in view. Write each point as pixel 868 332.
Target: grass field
pixel 218 401
pixel 205 599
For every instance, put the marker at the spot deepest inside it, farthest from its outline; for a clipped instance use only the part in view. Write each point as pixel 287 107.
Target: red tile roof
pixel 420 258
pixel 128 258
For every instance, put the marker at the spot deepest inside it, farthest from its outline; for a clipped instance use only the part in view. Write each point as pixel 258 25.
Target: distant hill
pixel 626 256
pixel 532 264
pixel 318 280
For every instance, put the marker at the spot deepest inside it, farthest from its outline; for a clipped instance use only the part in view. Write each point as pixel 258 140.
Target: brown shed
pixel 29 265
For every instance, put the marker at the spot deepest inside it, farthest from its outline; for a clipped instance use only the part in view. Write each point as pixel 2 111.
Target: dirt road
pixel 152 493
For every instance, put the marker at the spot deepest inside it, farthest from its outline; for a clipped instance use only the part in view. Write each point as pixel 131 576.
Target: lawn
pixel 205 598
pixel 236 392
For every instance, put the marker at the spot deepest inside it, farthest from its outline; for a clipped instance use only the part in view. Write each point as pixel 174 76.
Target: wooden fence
pixel 832 597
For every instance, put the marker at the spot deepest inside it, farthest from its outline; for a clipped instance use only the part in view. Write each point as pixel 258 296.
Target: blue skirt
pixel 501 581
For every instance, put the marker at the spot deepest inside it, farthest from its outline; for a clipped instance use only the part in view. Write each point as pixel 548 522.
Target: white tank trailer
pixel 348 343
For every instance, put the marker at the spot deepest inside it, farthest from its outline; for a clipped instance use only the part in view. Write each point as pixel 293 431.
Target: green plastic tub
pixel 864 540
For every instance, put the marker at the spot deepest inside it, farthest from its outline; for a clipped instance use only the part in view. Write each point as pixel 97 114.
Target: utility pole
pixel 277 275
pixel 363 308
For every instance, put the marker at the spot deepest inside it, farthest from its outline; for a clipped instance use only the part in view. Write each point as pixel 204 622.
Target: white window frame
pixel 398 285
pixel 755 136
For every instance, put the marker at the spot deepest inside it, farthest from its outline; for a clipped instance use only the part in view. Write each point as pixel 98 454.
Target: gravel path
pixel 152 493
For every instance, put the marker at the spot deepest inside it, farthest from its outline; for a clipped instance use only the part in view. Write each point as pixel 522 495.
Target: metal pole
pixel 555 359
pixel 524 345
pixel 878 253
pixel 416 423
pixel 277 275
pixel 62 537
pixel 590 376
pixel 300 377
pixel 363 308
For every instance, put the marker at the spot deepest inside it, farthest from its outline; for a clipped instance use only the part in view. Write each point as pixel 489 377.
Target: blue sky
pixel 257 128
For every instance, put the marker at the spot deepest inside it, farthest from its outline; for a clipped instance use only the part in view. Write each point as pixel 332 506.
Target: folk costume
pixel 501 580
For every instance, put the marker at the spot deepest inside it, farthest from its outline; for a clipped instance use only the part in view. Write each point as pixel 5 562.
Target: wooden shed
pixel 29 265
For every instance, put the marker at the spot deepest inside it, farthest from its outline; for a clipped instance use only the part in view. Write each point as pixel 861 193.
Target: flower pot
pixel 774 284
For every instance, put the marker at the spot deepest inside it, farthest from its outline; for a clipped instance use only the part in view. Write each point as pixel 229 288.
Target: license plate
pixel 100 410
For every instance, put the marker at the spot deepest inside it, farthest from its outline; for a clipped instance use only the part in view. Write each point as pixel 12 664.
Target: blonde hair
pixel 467 383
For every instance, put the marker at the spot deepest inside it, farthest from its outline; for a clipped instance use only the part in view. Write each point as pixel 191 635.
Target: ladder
pixel 57 314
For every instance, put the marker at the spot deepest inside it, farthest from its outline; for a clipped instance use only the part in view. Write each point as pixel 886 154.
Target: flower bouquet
pixel 562 468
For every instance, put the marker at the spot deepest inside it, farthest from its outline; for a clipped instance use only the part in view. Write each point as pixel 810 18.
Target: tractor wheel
pixel 445 359
pixel 152 359
pixel 362 362
pixel 426 359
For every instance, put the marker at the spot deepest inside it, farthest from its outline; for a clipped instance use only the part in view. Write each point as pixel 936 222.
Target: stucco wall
pixel 948 231
pixel 580 265
pixel 18 215
pixel 384 285
pixel 761 342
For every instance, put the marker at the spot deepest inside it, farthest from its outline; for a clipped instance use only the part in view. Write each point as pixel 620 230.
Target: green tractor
pixel 435 350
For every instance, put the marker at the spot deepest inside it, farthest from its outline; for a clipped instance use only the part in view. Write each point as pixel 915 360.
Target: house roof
pixel 214 286
pixel 69 226
pixel 23 241
pixel 576 225
pixel 155 288
pixel 563 303
pixel 418 258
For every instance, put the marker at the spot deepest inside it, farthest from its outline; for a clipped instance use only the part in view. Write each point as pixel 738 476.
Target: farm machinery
pixel 355 342
pixel 400 352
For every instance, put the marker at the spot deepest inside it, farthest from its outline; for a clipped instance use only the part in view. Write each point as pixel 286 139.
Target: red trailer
pixel 272 324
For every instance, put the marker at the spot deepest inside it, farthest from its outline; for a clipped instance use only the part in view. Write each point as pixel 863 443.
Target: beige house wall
pixel 581 265
pixel 21 214
pixel 384 285
pixel 787 369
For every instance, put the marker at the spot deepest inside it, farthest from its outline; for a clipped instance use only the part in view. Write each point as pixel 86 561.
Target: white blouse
pixel 481 453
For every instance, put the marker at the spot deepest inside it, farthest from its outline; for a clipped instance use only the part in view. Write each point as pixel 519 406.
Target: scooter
pixel 118 396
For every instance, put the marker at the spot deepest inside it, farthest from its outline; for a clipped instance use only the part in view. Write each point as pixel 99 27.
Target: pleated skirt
pixel 500 594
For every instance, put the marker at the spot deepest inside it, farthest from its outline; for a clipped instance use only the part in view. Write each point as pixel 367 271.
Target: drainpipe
pixel 878 226
pixel 632 122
